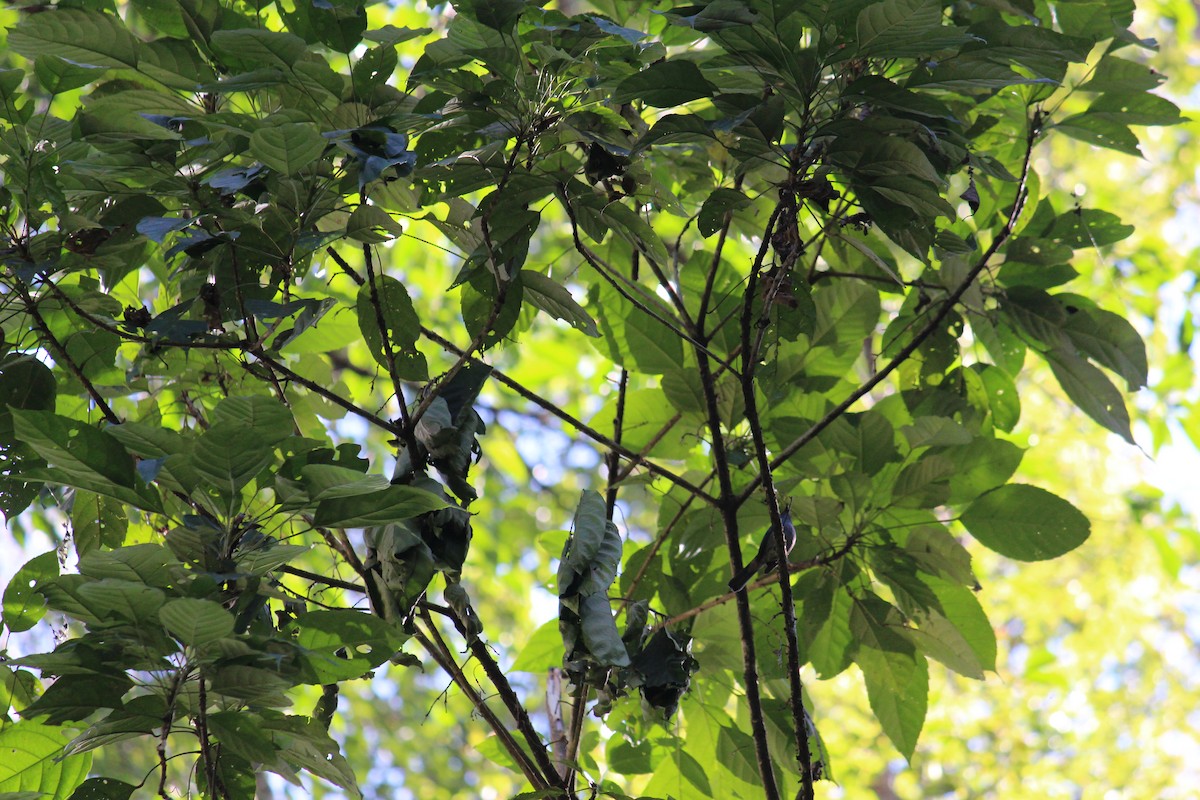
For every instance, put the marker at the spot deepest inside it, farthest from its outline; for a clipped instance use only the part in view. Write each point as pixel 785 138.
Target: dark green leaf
pixel 287 148
pixel 103 789
pixel 343 644
pixel 665 84
pixel 716 206
pixel 59 75
pixel 1107 339
pixel 196 622
pixel 378 508
pixel 250 48
pixel 75 697
pixel 898 28
pixel 373 225
pixel 267 416
pixel 228 456
pixel 79 451
pixel 389 301
pixel 554 298
pixel 1114 74
pixel 82 37
pixel 897 677
pixel 97 521
pixel 600 631
pixel 1091 390
pixel 1026 523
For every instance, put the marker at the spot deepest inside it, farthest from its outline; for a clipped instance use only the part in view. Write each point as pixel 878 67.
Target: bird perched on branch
pixel 766 559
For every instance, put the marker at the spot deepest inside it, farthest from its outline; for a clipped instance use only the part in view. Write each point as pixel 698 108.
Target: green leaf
pixel 1091 390
pixel 1101 132
pixel 32 761
pixel 379 508
pixel 980 466
pixel 343 644
pixel 165 16
pixel 82 37
pixel 196 622
pixel 132 600
pixel 937 638
pixel 899 28
pixel 267 416
pixel 373 225
pixel 665 84
pixel 600 631
pixel 1003 400
pixel 287 148
pixel 654 347
pixel 229 455
pixel 175 63
pixel 587 530
pixel 847 311
pixel 18 688
pixel 248 48
pixel 75 697
pixel 832 645
pixel 1108 339
pixel 97 521
pixel 961 608
pixel 716 206
pixel 375 68
pixel 897 678
pixel 1026 523
pixel 104 789
pixel 23 606
pixel 1114 74
pixel 552 297
pixel 400 322
pixel 542 651
pixel 266 559
pixel 329 481
pixel 1133 108
pixel 82 455
pixel 59 75
pixel 147 563
pixel 306 745
pixel 1088 227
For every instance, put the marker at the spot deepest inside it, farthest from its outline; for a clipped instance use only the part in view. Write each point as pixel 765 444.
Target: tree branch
pixel 728 510
pixel 436 647
pixel 928 330
pixel 750 399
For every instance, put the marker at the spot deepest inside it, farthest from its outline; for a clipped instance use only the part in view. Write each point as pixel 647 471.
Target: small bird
pixel 766 560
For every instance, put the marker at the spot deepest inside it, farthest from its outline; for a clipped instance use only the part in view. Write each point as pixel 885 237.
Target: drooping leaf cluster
pixel 268 267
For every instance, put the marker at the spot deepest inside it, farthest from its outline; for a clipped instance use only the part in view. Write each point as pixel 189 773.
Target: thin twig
pixel 59 352
pixel 433 644
pixel 574 422
pixel 407 429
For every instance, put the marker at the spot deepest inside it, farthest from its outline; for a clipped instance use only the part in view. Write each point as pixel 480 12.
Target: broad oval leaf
pixel 23 606
pixel 196 622
pixel 1026 523
pixel 287 148
pixel 34 761
pixel 82 37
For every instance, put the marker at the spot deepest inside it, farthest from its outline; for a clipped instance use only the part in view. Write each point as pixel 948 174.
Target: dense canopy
pixel 403 387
